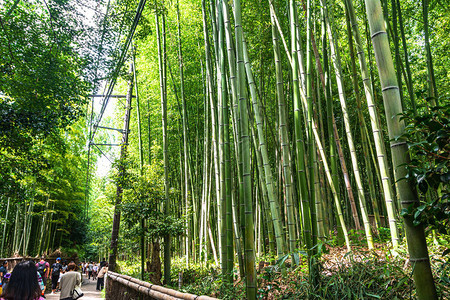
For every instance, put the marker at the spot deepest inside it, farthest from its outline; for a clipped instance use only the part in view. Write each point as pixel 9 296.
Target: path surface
pixel 88 288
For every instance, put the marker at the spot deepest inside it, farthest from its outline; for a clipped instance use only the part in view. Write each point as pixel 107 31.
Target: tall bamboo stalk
pixel 284 135
pixel 4 228
pixel 309 116
pixel 408 77
pixel 417 245
pixel 209 79
pixel 141 159
pixel 246 166
pixel 227 229
pixel 376 128
pixel 338 71
pixel 121 176
pixel 185 123
pixel 263 148
pixel 161 38
pixel 432 90
pixel 301 170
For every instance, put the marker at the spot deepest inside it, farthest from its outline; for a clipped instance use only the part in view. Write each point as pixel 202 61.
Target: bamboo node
pixel 419 259
pixel 401 143
pixel 392 87
pixel 378 33
pixel 408 201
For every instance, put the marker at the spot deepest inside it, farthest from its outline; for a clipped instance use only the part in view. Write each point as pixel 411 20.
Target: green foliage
pixel 143 199
pixel 428 136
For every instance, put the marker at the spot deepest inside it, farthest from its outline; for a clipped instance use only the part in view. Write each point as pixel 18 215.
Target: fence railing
pixel 120 286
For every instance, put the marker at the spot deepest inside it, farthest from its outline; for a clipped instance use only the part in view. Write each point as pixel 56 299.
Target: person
pixel 64 266
pixel 56 270
pixel 95 271
pixel 43 268
pixel 41 284
pixel 103 263
pixel 69 281
pixel 3 272
pixel 23 283
pixel 90 269
pixel 101 277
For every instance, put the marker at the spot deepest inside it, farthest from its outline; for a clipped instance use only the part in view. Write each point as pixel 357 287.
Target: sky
pixel 88 8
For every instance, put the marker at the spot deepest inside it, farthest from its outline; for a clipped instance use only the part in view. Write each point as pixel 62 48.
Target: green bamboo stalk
pixel 265 159
pixel 309 116
pixel 206 173
pixel 338 71
pixel 320 149
pixel 161 37
pixel 301 170
pixel 398 61
pixel 285 143
pixel 376 128
pixel 432 90
pixel 346 176
pixel 417 245
pixel 246 166
pixel 141 159
pixel 184 122
pixel 4 227
pixel 362 122
pixel 226 153
pixel 408 77
pixel 119 189
pixel 209 79
pixel 329 112
pixel 221 93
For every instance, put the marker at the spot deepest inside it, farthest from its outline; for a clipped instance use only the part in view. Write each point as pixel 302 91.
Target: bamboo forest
pixel 235 149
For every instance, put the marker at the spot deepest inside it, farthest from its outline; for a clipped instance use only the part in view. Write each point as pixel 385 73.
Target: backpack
pixel 41 268
pixel 56 268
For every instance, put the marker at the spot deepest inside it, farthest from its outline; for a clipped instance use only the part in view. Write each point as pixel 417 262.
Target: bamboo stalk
pixel 417 245
pixel 342 99
pixel 376 129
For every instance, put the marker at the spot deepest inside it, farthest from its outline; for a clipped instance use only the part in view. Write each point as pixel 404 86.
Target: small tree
pixel 144 197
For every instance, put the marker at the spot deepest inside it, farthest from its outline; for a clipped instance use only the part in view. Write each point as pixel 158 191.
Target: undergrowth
pixel 360 274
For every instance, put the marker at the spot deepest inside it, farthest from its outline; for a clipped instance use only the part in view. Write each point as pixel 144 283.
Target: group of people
pixel 27 280
pixel 96 271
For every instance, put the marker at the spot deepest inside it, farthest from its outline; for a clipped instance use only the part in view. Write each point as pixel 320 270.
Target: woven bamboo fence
pixel 121 287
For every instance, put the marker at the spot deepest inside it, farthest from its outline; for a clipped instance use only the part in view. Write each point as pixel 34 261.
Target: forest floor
pixel 88 288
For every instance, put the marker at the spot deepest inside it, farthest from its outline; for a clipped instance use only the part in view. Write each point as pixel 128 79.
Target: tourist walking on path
pixel 43 268
pixel 101 277
pixel 23 283
pixel 95 271
pixel 90 269
pixel 56 271
pixel 69 281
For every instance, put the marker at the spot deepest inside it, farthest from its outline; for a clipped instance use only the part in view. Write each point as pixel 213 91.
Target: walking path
pixel 88 288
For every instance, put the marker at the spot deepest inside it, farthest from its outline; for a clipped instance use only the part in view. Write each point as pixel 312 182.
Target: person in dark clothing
pixel 56 270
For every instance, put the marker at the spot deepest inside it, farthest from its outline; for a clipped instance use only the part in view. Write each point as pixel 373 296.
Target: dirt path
pixel 88 288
